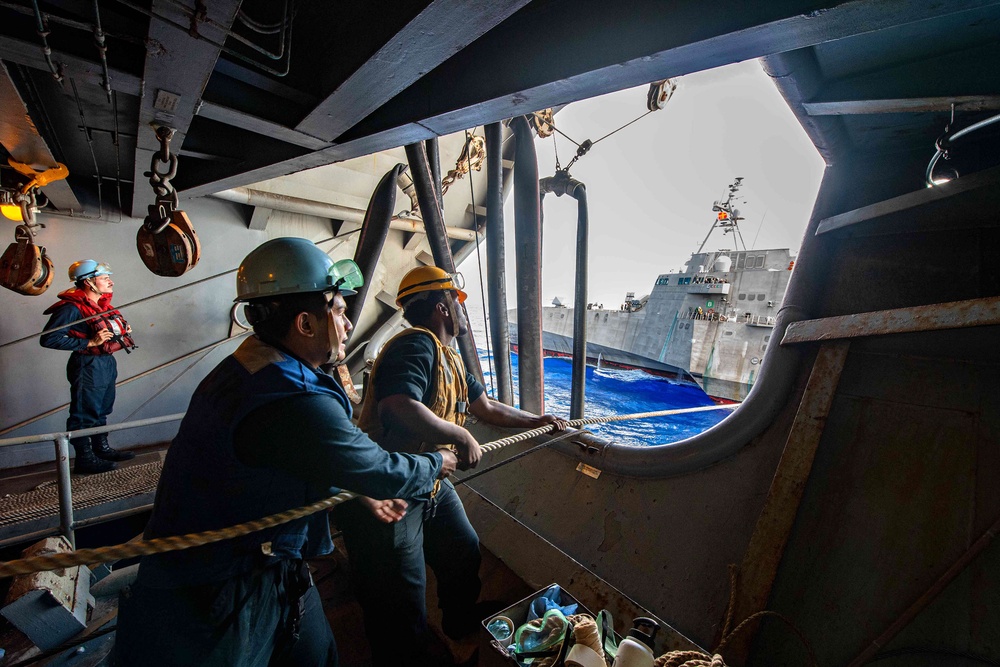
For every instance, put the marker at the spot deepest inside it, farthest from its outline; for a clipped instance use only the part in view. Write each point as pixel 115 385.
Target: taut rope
pixel 180 542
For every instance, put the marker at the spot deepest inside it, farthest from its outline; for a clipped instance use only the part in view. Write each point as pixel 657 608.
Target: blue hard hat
pixel 293 266
pixel 88 268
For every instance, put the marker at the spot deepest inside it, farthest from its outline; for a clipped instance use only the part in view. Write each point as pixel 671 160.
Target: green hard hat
pixel 294 266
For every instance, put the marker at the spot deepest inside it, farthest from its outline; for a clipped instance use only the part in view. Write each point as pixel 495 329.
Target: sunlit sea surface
pixel 614 391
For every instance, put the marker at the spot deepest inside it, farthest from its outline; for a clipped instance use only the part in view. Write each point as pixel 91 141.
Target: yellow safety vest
pixel 450 399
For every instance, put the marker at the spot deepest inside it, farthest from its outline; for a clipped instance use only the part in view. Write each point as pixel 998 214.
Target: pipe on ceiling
pixel 279 202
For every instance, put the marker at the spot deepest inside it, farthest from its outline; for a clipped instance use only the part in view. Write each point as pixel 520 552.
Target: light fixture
pixel 9 208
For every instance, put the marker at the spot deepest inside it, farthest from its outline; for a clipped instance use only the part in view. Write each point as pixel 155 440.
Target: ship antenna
pixel 727 216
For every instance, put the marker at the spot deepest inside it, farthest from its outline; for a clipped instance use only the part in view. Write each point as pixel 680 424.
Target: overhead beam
pixel 257 125
pixel 29 54
pixel 175 76
pixel 906 105
pixel 911 201
pixel 935 317
pixel 656 40
pixel 20 137
pixel 440 31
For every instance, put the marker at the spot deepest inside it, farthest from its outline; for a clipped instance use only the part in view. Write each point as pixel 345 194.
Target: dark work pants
pixel 239 622
pixel 388 561
pixel 92 380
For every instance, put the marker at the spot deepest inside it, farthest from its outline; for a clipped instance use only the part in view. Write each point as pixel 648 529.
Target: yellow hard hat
pixel 429 279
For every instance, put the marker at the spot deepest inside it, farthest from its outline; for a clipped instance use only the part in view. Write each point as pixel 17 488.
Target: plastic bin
pixel 491 654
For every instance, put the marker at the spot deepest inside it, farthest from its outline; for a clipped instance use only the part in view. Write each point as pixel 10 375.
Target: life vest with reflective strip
pixel 449 400
pixel 112 320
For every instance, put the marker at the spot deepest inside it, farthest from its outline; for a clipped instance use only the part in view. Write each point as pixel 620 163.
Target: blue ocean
pixel 613 392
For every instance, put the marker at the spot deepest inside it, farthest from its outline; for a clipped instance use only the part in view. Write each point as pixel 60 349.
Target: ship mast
pixel 727 217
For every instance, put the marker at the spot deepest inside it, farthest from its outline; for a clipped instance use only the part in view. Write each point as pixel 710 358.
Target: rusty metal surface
pixel 540 563
pixel 770 536
pixel 935 317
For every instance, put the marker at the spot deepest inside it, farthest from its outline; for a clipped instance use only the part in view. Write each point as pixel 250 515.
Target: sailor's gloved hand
pixel 469 452
pixel 100 338
pixel 386 511
pixel 545 420
pixel 449 462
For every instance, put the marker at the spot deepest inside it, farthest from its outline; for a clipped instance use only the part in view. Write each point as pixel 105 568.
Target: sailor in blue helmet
pixel 266 431
pixel 85 323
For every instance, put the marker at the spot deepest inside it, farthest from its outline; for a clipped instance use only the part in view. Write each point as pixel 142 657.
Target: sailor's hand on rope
pixel 449 461
pixel 469 451
pixel 386 511
pixel 545 420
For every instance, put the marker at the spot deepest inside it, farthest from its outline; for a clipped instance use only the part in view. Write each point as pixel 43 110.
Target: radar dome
pixel 723 263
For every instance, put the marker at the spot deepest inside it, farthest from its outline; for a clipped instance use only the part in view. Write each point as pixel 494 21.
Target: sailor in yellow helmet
pixel 418 397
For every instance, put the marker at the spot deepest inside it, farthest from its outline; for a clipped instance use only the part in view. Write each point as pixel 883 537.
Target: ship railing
pixel 61 440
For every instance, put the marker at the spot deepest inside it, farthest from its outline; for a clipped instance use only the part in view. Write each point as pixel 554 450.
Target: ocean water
pixel 614 391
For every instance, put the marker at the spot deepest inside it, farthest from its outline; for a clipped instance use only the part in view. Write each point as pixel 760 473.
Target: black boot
pixel 86 461
pixel 104 450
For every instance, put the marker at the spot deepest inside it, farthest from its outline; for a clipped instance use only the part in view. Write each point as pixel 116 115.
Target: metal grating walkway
pixel 105 491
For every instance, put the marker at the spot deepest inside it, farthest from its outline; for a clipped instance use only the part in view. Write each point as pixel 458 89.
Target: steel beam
pixel 441 30
pixel 268 128
pixel 903 105
pixel 174 78
pixel 20 137
pixel 656 40
pixel 29 54
pixel 935 317
pixel 911 201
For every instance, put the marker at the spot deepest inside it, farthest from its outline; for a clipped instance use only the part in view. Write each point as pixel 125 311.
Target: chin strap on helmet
pixel 453 307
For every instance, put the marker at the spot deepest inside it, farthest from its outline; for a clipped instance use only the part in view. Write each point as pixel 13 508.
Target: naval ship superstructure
pixel 710 323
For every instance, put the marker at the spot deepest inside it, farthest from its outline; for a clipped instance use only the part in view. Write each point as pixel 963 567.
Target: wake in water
pixel 614 392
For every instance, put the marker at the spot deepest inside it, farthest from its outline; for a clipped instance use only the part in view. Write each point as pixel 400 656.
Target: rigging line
pixel 90 142
pixel 563 436
pixel 122 383
pixel 740 235
pixel 137 301
pixel 180 542
pixel 167 385
pixel 622 127
pixel 575 143
pixel 479 260
pixel 759 228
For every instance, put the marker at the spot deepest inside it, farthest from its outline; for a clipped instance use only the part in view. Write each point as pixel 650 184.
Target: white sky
pixel 651 186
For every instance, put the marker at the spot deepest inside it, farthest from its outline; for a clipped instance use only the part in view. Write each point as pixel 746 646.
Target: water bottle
pixel 636 650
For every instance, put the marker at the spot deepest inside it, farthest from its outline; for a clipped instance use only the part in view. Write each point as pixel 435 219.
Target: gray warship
pixel 709 323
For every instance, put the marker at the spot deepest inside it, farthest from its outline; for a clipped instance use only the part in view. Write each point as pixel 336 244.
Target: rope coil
pixel 180 542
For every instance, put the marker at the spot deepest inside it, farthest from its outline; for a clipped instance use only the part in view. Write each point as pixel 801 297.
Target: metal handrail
pixel 66 522
pixel 96 430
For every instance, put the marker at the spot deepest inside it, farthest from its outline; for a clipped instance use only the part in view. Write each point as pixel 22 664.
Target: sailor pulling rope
pixel 179 542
